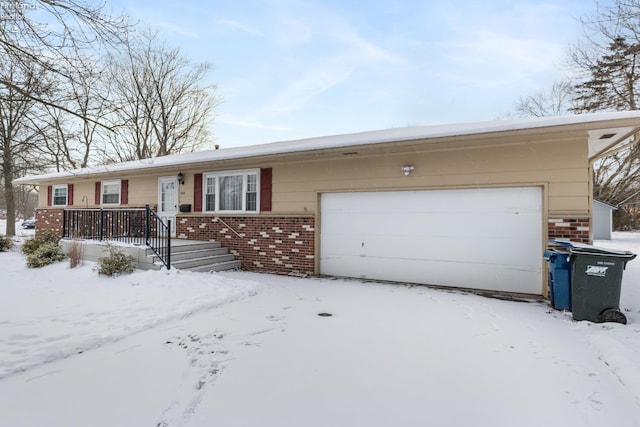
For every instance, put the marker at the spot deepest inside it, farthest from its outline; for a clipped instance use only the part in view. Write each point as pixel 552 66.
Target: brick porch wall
pixel 573 229
pixel 49 218
pixel 283 245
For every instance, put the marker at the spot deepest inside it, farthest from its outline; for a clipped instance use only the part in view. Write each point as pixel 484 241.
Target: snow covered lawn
pixel 243 349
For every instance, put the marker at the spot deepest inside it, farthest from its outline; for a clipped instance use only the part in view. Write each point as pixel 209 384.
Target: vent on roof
pixel 607 136
pixel 350 153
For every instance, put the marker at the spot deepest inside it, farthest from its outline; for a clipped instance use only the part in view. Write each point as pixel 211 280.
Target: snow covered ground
pixel 245 349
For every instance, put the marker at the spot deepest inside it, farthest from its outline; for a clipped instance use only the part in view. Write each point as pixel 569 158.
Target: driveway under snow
pixel 242 349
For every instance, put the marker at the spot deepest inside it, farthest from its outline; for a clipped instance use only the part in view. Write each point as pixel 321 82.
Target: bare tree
pixel 40 40
pixel 556 101
pixel 49 33
pixel 163 104
pixel 69 140
pixel 18 140
pixel 616 176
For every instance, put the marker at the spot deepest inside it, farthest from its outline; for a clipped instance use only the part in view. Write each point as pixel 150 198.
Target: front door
pixel 168 200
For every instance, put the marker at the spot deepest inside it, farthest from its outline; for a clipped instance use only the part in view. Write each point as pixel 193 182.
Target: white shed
pixel 602 220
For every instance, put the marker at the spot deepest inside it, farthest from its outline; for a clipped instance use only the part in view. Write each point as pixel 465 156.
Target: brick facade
pixel 573 229
pixel 283 245
pixel 49 218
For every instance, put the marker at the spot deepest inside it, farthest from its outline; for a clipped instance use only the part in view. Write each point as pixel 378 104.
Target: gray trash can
pixel 596 282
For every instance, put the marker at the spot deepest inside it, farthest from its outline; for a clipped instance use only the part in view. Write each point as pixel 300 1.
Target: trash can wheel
pixel 612 315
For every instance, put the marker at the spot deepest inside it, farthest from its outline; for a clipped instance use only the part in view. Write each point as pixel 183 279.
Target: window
pixel 210 192
pixel 59 196
pixel 234 191
pixel 252 193
pixel 111 192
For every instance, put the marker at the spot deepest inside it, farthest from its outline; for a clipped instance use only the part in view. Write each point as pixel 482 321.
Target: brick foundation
pixel 573 229
pixel 283 245
pixel 49 219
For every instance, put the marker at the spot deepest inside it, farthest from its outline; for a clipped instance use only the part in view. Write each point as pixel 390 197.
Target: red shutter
pixel 197 192
pixel 70 194
pixel 124 192
pixel 49 195
pixel 98 191
pixel 265 189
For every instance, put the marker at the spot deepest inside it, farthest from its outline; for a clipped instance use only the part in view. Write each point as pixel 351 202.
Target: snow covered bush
pixel 30 246
pixel 47 253
pixel 117 262
pixel 5 243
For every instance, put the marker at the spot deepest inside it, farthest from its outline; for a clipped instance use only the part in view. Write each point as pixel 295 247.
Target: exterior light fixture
pixel 180 178
pixel 406 169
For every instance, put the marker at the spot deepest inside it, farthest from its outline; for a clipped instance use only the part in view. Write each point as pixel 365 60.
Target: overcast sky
pixel 290 69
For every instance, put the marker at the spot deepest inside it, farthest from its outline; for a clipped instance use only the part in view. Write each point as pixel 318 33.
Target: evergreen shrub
pixel 116 263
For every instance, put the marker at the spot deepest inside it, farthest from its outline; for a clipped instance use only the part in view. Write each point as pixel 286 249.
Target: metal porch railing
pixel 140 226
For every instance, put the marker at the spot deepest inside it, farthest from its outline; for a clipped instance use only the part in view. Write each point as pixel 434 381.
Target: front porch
pixel 141 233
pixel 191 255
pixel 280 244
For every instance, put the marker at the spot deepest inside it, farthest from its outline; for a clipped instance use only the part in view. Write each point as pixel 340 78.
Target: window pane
pixel 252 192
pixel 252 183
pixel 231 193
pixel 211 202
pixel 211 185
pixel 167 196
pixel 60 196
pixel 252 202
pixel 210 195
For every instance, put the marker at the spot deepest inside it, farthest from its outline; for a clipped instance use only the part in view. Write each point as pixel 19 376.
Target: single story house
pixel 468 205
pixel 602 220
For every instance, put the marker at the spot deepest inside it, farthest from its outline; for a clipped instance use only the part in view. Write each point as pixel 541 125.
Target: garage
pixel 480 238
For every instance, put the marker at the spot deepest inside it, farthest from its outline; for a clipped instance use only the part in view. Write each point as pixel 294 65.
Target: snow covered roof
pixel 599 140
pixel 605 204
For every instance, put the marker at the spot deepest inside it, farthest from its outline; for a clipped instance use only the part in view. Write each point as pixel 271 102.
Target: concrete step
pixel 188 247
pixel 196 253
pixel 203 260
pixel 198 256
pixel 220 266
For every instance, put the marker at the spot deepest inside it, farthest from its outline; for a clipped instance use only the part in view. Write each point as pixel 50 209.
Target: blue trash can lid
pixel 551 254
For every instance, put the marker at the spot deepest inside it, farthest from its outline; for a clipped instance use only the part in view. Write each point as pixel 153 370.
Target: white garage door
pixel 488 238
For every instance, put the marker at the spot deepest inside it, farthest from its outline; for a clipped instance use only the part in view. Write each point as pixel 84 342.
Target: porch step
pixel 186 255
pixel 188 264
pixel 220 266
pixel 181 246
pixel 200 256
